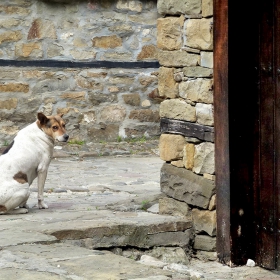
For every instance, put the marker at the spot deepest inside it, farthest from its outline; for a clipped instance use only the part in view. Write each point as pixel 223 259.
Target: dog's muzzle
pixel 63 138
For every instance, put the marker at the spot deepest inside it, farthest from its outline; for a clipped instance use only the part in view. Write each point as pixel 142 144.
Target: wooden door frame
pixel 221 120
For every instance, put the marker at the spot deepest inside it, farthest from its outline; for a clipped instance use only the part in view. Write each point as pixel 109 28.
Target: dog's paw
pixel 42 205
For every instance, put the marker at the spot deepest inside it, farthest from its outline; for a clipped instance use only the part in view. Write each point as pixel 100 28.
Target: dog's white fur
pixel 28 158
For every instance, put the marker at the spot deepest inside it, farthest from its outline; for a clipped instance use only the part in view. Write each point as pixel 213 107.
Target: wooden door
pixel 247 125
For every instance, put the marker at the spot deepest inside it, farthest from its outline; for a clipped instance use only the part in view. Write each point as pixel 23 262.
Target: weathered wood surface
pixel 188 129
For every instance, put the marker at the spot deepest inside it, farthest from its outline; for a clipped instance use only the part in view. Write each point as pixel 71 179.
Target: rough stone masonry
pixel 100 103
pixel 185 54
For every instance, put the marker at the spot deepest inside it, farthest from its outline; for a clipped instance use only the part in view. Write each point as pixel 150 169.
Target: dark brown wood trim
pixel 188 129
pixel 221 120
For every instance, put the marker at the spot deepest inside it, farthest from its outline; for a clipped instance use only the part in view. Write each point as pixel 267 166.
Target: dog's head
pixel 53 126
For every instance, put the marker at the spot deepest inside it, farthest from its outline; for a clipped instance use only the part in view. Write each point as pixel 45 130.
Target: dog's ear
pixel 61 115
pixel 42 118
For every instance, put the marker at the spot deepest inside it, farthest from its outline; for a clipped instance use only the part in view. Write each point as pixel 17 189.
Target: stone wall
pixel 186 84
pixel 100 102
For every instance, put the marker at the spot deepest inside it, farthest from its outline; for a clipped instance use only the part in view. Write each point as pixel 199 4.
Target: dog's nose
pixel 66 137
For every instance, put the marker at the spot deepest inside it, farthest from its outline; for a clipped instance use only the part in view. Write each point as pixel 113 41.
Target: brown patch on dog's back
pixel 3 208
pixel 21 178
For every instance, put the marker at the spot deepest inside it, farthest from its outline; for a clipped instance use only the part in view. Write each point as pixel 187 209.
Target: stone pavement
pixel 97 216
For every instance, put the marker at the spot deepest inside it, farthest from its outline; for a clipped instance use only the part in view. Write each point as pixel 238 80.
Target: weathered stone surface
pixel 177 109
pixel 198 90
pixel 10 36
pixel 170 206
pixel 73 95
pixel 98 98
pixel 21 11
pixel 204 158
pixel 171 7
pixel 205 243
pixel 42 29
pixel 113 113
pixel 8 104
pixel 144 115
pixel 147 130
pixel 54 50
pixel 170 255
pixel 204 113
pixel 171 147
pixel 178 58
pixel 132 99
pixel 103 132
pixel 9 23
pixel 199 33
pixel 178 163
pixel 33 50
pixel 107 42
pixel 14 87
pixel 146 103
pixel 127 5
pixel 167 86
pixel 197 72
pixel 212 204
pixel 207 8
pixel 206 59
pixel 169 34
pixel 204 221
pixel 184 185
pixel 148 52
pixel 188 156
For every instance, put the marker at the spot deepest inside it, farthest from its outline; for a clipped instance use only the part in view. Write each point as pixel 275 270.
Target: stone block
pixel 148 52
pixel 185 7
pixel 205 243
pixel 169 33
pixel 170 255
pixel 204 221
pixel 178 58
pixel 170 206
pixel 107 42
pixel 212 204
pixel 199 33
pixel 197 72
pixel 207 8
pixel 206 59
pixel 177 109
pixel 103 132
pixel 98 98
pixel 197 90
pixel 204 114
pixel 33 50
pixel 74 95
pixel 42 29
pixel 171 147
pixel 14 87
pixel 184 185
pixel 9 23
pixel 167 86
pixel 144 115
pixel 54 50
pixel 204 158
pixel 113 113
pixel 178 163
pixel 8 104
pixel 188 156
pixel 132 99
pixel 10 36
pixel 128 5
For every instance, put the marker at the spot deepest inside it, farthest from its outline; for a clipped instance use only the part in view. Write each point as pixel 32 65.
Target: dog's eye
pixel 55 127
pixel 63 125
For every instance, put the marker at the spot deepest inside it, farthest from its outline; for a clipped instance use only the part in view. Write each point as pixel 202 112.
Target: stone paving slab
pixel 96 202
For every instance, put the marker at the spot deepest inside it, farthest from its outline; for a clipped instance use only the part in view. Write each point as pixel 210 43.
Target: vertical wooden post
pixel 221 119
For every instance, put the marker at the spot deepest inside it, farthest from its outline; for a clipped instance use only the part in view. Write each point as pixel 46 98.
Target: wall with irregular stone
pixel 100 101
pixel 185 42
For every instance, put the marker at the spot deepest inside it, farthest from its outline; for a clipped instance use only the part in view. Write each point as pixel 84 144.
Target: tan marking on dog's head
pixel 53 126
pixel 21 178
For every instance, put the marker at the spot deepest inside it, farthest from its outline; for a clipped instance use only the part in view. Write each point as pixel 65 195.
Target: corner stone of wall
pixel 185 42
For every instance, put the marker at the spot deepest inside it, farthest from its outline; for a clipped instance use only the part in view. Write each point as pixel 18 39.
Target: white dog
pixel 28 157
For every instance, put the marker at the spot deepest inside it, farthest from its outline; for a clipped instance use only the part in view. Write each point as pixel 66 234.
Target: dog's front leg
pixel 42 175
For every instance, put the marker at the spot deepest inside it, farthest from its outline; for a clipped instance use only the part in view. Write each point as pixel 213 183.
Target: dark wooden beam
pixel 221 120
pixel 79 64
pixel 188 129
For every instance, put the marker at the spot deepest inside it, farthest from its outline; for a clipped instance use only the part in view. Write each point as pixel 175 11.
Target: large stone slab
pixel 184 185
pixel 171 7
